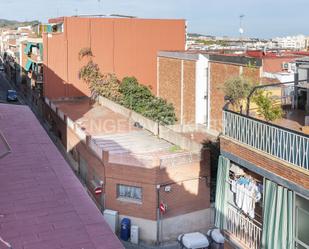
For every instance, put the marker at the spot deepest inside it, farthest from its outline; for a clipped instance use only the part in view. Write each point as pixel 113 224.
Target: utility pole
pixel 241 30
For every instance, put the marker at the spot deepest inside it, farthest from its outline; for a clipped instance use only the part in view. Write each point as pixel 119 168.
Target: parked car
pixel 11 95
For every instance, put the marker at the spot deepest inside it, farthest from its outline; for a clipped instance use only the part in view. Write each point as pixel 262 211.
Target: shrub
pixel 266 106
pixel 135 96
pixel 85 52
pixel 106 85
pixel 128 93
pixel 140 99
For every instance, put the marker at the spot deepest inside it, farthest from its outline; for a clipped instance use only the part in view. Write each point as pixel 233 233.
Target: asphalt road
pixel 4 86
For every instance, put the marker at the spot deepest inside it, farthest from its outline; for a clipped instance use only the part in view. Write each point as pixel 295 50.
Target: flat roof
pixel 116 134
pixel 42 203
pixel 240 59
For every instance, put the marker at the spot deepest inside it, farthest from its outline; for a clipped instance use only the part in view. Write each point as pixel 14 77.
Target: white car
pixel 193 241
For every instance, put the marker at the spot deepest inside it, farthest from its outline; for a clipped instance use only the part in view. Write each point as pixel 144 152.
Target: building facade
pixel 124 46
pixel 131 171
pixel 262 198
pixel 194 83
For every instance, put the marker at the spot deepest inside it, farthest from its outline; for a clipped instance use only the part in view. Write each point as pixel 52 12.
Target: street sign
pixel 163 207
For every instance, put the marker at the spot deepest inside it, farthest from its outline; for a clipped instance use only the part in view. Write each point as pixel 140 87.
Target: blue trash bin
pixel 125 228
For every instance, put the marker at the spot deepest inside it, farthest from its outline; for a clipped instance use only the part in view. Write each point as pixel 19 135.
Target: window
pixel 302 222
pixel 129 192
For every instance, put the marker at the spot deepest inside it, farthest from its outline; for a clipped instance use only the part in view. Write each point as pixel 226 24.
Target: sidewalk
pixel 128 245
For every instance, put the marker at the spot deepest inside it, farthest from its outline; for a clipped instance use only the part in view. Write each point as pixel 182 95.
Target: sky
pixel 263 18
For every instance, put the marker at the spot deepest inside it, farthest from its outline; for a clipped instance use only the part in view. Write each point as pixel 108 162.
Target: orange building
pixel 124 46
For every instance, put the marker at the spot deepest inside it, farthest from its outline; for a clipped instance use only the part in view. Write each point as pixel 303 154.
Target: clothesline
pixel 230 182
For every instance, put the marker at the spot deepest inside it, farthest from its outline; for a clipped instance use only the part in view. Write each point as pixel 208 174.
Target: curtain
pixel 278 217
pixel 221 191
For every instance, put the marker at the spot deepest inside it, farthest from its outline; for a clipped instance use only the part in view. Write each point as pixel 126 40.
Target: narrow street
pixel 5 85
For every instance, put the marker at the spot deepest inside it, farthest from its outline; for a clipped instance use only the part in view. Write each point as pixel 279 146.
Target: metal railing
pixel 288 145
pixel 243 228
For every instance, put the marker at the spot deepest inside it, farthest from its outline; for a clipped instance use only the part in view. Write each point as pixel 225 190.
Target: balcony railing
pixel 243 228
pixel 288 145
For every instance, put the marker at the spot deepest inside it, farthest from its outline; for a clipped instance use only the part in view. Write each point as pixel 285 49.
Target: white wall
pixel 200 221
pixel 170 228
pixel 201 90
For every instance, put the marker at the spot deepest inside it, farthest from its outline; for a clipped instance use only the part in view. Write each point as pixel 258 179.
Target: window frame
pixel 296 208
pixel 126 198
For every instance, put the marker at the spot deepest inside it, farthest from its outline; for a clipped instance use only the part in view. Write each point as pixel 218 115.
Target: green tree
pixel 237 89
pixel 267 107
pixel 106 85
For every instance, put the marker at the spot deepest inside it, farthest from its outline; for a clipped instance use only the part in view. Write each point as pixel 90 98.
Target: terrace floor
pixel 293 119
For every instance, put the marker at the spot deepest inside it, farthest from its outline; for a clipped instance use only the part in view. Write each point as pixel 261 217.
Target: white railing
pixel 287 145
pixel 243 228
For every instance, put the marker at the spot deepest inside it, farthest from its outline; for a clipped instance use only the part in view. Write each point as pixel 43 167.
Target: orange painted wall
pixel 126 47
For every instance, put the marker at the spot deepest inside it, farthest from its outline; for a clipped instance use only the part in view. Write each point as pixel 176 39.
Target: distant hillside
pixel 15 24
pixel 194 35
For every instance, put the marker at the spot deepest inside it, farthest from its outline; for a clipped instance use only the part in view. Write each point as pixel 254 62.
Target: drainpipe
pixel 158 215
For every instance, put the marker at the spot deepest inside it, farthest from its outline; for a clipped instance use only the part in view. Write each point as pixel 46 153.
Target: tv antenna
pixel 241 30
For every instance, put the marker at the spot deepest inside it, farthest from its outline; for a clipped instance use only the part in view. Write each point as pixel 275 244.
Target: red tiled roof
pixel 42 203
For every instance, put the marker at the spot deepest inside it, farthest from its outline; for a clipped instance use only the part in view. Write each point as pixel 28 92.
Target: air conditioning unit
pixel 285 66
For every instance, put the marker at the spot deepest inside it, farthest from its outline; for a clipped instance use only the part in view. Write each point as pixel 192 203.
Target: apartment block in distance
pixel 262 198
pixel 124 46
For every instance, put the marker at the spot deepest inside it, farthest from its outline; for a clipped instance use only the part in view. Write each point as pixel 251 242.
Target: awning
pixel 28 48
pixel 28 65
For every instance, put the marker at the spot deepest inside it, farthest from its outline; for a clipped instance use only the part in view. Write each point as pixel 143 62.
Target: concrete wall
pixel 171 228
pixel 201 221
pixel 126 47
pixel 202 91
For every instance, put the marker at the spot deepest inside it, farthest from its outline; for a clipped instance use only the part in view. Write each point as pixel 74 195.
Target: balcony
pixel 281 139
pixel 242 229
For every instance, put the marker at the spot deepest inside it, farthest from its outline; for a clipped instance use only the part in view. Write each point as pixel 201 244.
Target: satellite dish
pixel 241 30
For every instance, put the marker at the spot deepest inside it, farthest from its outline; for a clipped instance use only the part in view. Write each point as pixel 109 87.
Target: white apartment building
pixel 291 42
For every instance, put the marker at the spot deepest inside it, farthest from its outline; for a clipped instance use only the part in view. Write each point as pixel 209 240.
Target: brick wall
pixel 189 193
pixel 170 86
pixel 189 92
pixel 258 159
pixel 170 82
pixel 219 73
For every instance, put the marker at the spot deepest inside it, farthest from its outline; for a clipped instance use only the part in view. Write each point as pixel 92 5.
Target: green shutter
pixel 221 192
pixel 278 217
pixel 28 65
pixel 41 49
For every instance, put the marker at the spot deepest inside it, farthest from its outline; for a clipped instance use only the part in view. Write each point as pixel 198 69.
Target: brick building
pixel 193 82
pixel 134 169
pixel 124 46
pixel 31 63
pixel 268 162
